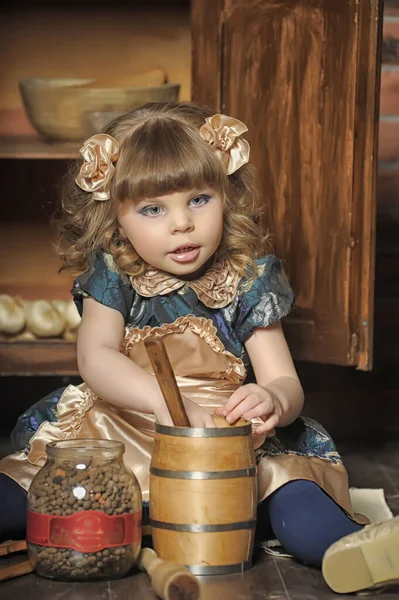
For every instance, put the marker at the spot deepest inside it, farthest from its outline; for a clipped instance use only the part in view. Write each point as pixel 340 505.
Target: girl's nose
pixel 181 223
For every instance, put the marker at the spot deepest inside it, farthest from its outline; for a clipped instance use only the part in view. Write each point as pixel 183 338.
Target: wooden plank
pixel 29 265
pixel 34 148
pixel 207 25
pixel 32 189
pixel 293 82
pixel 15 122
pixel 45 357
pixel 363 226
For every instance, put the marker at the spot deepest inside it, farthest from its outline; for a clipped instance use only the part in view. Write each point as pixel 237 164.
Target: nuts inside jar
pixel 84 520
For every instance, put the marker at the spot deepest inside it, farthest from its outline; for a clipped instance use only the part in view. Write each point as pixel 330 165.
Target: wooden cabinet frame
pixel 304 76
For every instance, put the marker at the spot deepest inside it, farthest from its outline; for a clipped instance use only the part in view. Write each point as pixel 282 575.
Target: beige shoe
pixel 365 559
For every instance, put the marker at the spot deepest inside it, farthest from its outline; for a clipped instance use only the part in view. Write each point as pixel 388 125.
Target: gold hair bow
pixel 95 175
pixel 224 133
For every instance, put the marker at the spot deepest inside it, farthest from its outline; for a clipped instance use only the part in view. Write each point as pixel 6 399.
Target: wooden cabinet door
pixel 304 76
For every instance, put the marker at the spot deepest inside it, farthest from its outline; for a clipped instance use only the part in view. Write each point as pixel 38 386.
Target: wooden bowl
pixel 55 107
pixel 95 121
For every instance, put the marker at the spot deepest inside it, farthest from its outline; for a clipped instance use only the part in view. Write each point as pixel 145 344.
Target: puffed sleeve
pixel 264 300
pixel 104 282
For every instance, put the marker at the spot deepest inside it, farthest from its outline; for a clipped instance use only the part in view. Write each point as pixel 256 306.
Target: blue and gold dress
pixel 204 324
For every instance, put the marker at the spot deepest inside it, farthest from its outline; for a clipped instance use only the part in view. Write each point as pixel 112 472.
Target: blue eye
pixel 151 211
pixel 200 200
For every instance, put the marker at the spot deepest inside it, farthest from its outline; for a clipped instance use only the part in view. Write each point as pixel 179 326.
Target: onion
pixel 24 336
pixel 12 314
pixel 43 319
pixel 60 305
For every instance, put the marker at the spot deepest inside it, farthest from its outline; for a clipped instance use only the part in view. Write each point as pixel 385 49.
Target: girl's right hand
pixel 198 416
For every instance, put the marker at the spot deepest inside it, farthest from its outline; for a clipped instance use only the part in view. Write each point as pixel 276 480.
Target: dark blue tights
pixel 305 520
pixel 12 510
pixel 300 515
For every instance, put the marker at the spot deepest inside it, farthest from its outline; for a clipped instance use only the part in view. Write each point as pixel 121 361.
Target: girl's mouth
pixel 185 254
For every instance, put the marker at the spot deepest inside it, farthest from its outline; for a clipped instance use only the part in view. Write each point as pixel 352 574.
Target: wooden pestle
pixel 170 580
pixel 166 379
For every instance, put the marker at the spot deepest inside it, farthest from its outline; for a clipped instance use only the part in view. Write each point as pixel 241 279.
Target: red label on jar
pixel 88 531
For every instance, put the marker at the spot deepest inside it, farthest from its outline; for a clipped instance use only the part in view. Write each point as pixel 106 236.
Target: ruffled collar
pixel 216 288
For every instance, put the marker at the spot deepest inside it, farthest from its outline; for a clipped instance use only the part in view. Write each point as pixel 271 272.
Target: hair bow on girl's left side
pixel 223 133
pixel 95 175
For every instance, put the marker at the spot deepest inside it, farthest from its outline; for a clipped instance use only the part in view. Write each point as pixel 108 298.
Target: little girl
pixel 160 222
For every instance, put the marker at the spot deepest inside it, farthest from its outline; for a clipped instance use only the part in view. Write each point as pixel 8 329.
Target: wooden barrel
pixel 203 497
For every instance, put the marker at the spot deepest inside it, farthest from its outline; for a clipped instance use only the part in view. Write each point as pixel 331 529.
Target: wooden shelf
pixel 34 148
pixel 28 268
pixel 29 265
pixel 41 357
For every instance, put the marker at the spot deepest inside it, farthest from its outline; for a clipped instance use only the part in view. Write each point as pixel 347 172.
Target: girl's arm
pixel 108 373
pixel 277 396
pixel 112 375
pixel 274 370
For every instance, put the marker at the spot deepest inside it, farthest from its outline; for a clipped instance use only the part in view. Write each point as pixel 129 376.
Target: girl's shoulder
pixel 104 282
pixel 269 275
pixel 264 297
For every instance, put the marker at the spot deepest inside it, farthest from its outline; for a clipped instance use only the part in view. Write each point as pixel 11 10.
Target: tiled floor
pixel 269 579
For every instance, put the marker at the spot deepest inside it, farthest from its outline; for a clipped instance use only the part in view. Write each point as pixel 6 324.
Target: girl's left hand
pixel 251 401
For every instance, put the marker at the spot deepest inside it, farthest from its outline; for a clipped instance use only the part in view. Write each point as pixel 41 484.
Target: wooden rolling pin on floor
pixel 170 580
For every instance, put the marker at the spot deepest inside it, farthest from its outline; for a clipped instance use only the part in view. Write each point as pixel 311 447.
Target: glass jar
pixel 84 512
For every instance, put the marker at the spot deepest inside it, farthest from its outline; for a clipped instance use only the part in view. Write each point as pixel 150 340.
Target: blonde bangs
pixel 163 157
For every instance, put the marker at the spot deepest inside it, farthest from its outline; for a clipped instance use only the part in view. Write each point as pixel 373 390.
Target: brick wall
pixel 387 263
pixel 389 121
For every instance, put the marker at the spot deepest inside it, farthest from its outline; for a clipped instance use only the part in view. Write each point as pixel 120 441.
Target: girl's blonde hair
pixel 161 152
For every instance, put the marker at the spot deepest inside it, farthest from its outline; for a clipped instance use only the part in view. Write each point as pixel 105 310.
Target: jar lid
pixel 95 447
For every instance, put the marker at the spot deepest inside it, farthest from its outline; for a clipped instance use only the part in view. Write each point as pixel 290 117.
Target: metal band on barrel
pixel 249 472
pixel 220 569
pixel 194 528
pixel 196 432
